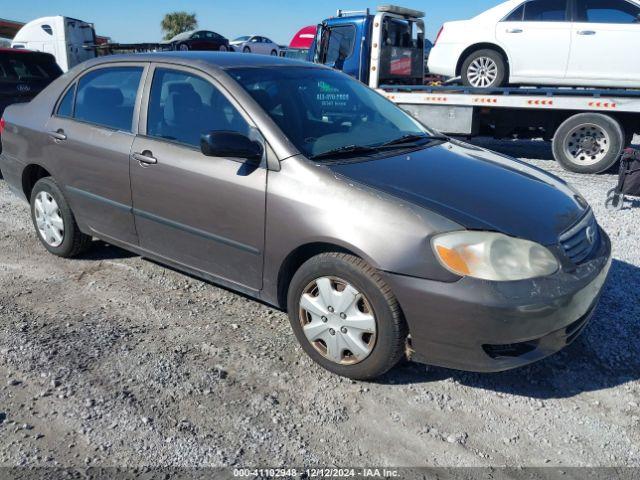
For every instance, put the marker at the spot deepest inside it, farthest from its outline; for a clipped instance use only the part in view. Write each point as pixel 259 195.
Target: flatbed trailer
pixel 588 128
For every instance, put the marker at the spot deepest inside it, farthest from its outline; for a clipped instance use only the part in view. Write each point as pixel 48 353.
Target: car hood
pixel 475 188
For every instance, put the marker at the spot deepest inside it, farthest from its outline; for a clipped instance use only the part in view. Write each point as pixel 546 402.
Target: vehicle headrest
pixel 266 101
pixel 178 87
pixel 98 97
pixel 181 107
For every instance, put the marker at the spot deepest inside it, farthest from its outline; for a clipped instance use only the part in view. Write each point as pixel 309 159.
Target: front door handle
pixel 58 135
pixel 586 32
pixel 514 30
pixel 145 158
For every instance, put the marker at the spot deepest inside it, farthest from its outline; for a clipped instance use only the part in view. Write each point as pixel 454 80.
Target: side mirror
pixel 231 145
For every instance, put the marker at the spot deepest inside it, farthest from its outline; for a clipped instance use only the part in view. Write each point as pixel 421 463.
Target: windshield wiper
pixel 412 139
pixel 348 150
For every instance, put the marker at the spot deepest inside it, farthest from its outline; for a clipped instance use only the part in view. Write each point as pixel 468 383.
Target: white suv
pixel 590 43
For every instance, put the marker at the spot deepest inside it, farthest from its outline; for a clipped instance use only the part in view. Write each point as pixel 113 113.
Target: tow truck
pixel 588 128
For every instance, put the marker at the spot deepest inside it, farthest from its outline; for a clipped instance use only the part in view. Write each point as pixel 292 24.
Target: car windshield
pixel 24 67
pixel 242 39
pixel 323 111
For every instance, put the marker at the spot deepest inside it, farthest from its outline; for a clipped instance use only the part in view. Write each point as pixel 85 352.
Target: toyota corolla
pixel 298 186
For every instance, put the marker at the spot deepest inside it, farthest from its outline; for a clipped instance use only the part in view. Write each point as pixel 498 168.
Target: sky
pixel 137 21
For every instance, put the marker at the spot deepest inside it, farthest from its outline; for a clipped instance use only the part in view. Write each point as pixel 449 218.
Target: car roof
pixel 220 60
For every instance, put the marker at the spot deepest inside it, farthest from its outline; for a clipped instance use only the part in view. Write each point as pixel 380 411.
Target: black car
pixel 24 74
pixel 199 40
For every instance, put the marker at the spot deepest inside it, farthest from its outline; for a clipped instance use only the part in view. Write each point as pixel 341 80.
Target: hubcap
pixel 482 72
pixel 587 144
pixel 338 320
pixel 184 48
pixel 48 219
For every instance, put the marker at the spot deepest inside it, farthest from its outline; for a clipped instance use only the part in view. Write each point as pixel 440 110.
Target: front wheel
pixel 588 143
pixel 223 48
pixel 345 317
pixel 246 50
pixel 183 47
pixel 484 69
pixel 274 53
pixel 54 222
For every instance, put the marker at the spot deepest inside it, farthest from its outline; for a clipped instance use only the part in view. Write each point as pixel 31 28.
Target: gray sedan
pixel 297 185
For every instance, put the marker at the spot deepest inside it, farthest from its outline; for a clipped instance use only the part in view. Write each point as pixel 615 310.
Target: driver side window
pixel 183 107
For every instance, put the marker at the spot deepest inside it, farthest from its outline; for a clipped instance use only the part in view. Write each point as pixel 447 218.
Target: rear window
pixel 104 97
pixel 25 67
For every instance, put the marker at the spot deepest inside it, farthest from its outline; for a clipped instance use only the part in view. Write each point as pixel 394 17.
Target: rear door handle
pixel 145 157
pixel 58 135
pixel 514 30
pixel 586 32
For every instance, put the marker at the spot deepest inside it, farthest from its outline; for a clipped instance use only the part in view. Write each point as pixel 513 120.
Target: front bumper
pixel 482 326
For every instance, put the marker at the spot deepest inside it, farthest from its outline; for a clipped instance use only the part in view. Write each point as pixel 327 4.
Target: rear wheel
pixel 345 317
pixel 484 69
pixel 588 143
pixel 54 222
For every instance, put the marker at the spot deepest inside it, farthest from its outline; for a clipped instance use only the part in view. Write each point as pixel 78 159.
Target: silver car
pixel 301 187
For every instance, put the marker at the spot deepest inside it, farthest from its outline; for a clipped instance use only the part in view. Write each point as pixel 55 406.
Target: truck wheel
pixel 484 69
pixel 345 317
pixel 588 143
pixel 54 222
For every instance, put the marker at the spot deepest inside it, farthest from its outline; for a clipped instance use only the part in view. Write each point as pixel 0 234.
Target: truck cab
pixel 69 40
pixel 385 47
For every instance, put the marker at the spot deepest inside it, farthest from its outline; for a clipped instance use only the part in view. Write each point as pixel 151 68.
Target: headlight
pixel 493 256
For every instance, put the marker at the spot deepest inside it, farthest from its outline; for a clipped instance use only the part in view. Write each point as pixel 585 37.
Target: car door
pixel 536 37
pixel 606 40
pixel 202 212
pixel 260 45
pixel 198 42
pixel 255 45
pixel 90 144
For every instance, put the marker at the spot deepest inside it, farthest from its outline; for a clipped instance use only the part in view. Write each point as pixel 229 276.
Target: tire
pixel 274 53
pixel 74 242
pixel 588 143
pixel 223 48
pixel 183 47
pixel 246 50
pixel 376 305
pixel 491 70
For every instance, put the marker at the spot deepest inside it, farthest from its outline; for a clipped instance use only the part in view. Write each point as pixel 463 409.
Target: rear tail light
pixel 1 125
pixel 438 36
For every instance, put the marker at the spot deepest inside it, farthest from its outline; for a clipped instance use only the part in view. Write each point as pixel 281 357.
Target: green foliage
pixel 177 22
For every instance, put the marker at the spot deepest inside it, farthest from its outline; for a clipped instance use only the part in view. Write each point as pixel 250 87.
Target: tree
pixel 177 22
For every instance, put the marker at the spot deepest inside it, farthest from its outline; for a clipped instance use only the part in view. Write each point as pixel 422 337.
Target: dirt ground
pixel 112 360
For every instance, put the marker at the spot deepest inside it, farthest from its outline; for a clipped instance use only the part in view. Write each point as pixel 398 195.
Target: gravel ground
pixel 112 360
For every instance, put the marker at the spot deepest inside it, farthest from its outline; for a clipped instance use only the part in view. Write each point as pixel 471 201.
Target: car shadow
pixel 606 355
pixel 100 250
pixel 534 149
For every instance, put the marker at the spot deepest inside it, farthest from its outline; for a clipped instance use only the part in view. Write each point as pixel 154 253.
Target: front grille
pixel 582 239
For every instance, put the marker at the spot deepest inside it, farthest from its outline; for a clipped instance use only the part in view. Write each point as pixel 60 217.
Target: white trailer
pixel 588 128
pixel 69 40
